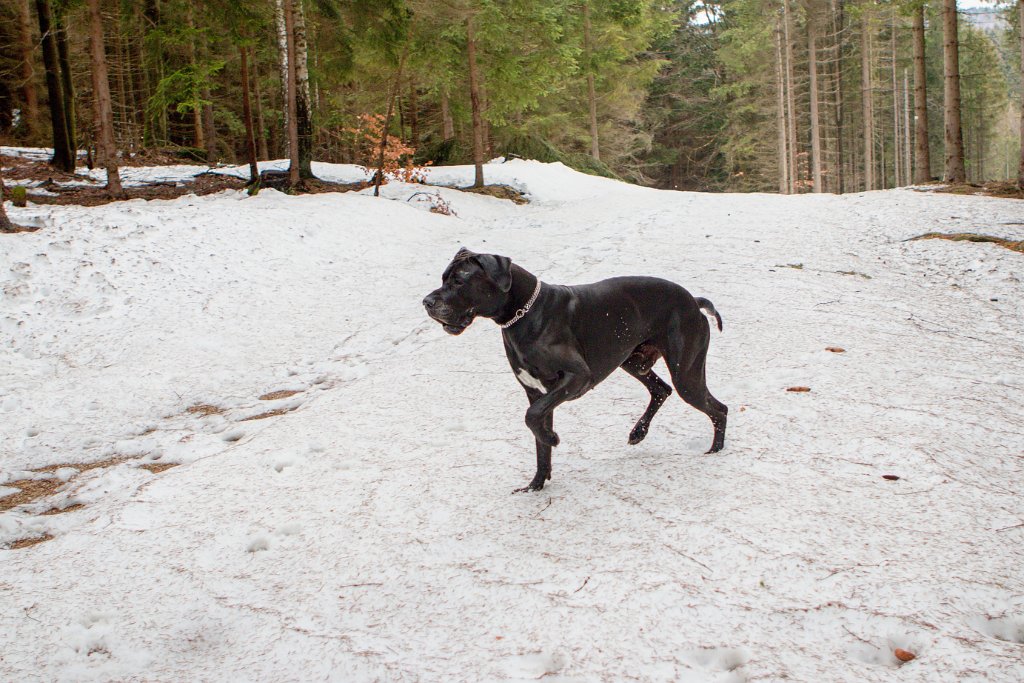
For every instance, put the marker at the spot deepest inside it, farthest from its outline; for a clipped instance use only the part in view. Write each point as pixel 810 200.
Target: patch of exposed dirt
pixel 317 186
pixel 1012 245
pixel 29 542
pixel 499 191
pixel 86 466
pixel 164 156
pixel 61 511
pixel 158 467
pixel 279 394
pixel 1003 189
pixel 95 195
pixel 269 413
pixel 15 228
pixel 31 490
pixel 19 168
pixel 204 409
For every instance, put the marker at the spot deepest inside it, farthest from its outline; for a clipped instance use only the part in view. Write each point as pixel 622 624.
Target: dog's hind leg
pixel 639 365
pixel 686 359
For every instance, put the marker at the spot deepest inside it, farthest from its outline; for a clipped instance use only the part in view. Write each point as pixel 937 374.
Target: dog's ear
pixel 461 255
pixel 498 269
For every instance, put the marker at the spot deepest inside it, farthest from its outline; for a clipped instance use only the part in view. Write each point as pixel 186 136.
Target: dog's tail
pixel 709 308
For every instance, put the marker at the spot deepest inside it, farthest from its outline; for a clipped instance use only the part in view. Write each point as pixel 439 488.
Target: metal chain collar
pixel 525 309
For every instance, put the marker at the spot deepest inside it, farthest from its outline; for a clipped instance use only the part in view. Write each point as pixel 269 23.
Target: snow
pixel 364 529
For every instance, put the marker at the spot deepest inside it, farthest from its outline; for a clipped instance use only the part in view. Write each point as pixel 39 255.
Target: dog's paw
pixel 536 485
pixel 638 434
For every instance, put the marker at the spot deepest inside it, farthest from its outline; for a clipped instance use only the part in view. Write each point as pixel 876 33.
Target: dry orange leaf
pixel 903 655
pixel 835 349
pixel 798 389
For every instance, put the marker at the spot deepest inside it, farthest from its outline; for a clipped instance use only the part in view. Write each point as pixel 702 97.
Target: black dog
pixel 562 341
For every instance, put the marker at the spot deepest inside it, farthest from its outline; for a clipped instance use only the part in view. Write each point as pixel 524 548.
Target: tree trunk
pixel 261 138
pixel 866 101
pixel 897 141
pixel 198 131
pixel 588 54
pixel 954 136
pixel 401 119
pixel 922 154
pixel 206 131
pixel 156 125
pixel 63 152
pixel 414 115
pixel 209 128
pixel 781 113
pixel 838 27
pixel 293 129
pixel 123 92
pixel 101 96
pixel 979 132
pixel 474 98
pixel 30 113
pixel 790 95
pixel 5 222
pixel 906 129
pixel 378 177
pixel 282 49
pixel 66 84
pixel 448 125
pixel 250 138
pixel 485 125
pixel 812 66
pixel 303 99
pixel 1020 169
pixel 140 83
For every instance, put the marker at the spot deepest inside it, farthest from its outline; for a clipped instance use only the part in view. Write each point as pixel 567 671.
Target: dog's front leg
pixel 543 462
pixel 572 384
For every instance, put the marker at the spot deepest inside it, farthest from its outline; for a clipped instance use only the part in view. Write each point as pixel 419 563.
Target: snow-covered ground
pixel 366 533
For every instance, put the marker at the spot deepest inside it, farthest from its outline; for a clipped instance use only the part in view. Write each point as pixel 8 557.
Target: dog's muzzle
pixel 441 313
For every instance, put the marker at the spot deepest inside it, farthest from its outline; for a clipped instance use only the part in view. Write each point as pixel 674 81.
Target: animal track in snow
pixel 535 665
pixel 721 660
pixel 233 435
pixel 1009 628
pixel 882 651
pixel 257 544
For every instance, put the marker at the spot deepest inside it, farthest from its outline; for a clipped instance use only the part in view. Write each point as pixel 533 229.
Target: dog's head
pixel 472 285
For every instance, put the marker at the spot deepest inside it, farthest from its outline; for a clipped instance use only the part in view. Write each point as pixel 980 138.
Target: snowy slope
pixel 367 531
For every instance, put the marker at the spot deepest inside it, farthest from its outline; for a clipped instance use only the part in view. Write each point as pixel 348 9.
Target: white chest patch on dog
pixel 530 381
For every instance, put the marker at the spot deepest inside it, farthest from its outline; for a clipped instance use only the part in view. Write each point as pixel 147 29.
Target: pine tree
pixel 1020 30
pixel 104 115
pixel 64 149
pixel 5 222
pixel 922 167
pixel 954 139
pixel 28 89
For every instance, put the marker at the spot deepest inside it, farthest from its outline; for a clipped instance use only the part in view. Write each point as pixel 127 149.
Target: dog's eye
pixel 457 281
